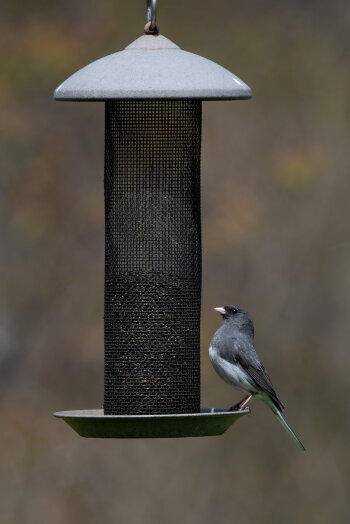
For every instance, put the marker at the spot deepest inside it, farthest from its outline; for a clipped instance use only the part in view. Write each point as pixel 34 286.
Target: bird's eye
pixel 234 310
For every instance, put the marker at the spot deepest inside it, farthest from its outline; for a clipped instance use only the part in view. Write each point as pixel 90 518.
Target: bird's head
pixel 237 317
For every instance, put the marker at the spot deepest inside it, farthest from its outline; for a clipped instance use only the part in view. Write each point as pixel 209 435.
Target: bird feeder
pixel 153 94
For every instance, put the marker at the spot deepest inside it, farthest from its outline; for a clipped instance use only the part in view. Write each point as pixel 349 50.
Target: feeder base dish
pixel 92 423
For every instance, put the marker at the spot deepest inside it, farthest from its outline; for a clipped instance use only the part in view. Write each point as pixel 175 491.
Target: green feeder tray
pixel 92 423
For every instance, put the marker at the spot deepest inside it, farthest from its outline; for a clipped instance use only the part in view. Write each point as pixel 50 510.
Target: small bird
pixel 234 358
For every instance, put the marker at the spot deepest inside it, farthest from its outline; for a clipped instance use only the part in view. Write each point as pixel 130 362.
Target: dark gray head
pixel 237 317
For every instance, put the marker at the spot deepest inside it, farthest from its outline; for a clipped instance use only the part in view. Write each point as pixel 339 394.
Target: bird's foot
pixel 241 405
pixel 236 407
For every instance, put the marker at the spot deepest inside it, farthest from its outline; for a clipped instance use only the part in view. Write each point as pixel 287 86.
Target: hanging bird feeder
pixel 153 94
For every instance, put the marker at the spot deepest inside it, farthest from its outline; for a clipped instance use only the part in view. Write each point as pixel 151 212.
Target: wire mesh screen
pixel 153 257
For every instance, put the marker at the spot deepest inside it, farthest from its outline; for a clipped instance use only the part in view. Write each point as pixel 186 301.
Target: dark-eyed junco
pixel 234 358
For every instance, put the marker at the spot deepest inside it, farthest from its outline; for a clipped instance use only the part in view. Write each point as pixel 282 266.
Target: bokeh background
pixel 276 231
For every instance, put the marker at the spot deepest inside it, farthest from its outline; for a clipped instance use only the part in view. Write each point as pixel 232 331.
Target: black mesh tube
pixel 153 257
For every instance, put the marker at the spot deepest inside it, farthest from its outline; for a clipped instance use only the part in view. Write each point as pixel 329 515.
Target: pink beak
pixel 220 310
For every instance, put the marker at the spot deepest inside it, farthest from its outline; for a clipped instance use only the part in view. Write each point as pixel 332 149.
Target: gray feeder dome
pixel 152 67
pixel 152 92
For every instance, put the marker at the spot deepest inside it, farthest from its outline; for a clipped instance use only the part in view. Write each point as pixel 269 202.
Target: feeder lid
pixel 152 67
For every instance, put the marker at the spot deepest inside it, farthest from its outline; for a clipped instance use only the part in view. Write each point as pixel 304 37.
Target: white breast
pixel 230 373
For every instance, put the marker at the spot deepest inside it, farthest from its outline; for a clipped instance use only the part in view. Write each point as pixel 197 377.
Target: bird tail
pixel 289 430
pixel 269 402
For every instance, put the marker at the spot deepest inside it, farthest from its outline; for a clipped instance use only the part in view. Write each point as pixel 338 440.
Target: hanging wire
pixel 151 27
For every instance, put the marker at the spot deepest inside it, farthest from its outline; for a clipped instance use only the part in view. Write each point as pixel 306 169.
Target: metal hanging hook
pixel 151 27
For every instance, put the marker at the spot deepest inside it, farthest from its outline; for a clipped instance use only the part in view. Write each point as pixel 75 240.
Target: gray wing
pixel 241 351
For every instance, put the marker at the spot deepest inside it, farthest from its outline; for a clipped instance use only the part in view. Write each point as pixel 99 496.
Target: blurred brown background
pixel 276 240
